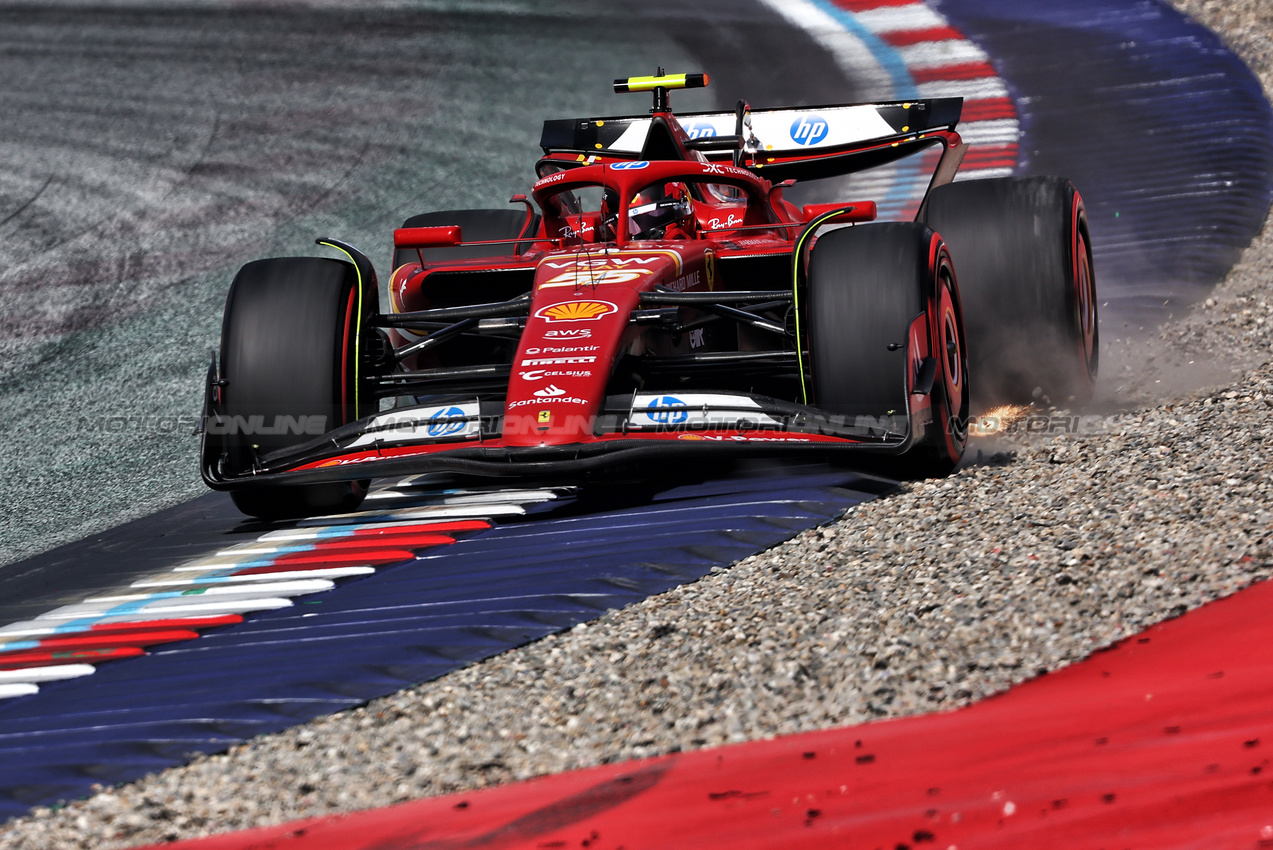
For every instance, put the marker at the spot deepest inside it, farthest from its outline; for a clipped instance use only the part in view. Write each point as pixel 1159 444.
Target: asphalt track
pixel 124 214
pixel 155 148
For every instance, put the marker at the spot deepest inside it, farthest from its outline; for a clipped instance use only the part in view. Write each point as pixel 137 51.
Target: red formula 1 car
pixel 657 297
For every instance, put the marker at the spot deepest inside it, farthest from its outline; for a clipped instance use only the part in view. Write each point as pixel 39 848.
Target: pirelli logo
pixel 554 361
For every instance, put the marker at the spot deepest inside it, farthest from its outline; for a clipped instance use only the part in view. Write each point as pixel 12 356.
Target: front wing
pixel 465 435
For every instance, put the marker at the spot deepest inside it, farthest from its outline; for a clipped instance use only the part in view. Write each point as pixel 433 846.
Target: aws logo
pixel 576 311
pixel 809 129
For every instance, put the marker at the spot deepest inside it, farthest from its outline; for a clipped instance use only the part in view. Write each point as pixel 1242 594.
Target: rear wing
pixel 801 143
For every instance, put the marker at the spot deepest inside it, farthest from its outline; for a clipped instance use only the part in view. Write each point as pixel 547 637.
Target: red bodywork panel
pixel 584 292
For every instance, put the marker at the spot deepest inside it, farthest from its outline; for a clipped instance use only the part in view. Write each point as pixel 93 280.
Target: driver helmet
pixel 657 206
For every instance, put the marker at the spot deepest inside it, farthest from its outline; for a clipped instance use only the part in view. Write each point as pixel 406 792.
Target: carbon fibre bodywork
pixel 651 302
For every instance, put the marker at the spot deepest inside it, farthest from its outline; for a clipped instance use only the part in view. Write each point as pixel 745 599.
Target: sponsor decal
pixel 551 179
pixel 569 333
pixel 717 168
pixel 594 277
pixel 348 461
pixel 672 410
pixel 594 272
pixel 569 232
pixel 576 311
pixel 730 220
pixel 562 349
pixel 443 429
pixel 630 166
pixel 541 374
pixel 709 269
pixel 809 129
pixel 410 425
pixel 544 419
pixel 700 131
pixel 600 263
pixel 550 391
pixel 697 410
pixel 556 361
pixel 696 338
pixel 684 282
pixel 561 399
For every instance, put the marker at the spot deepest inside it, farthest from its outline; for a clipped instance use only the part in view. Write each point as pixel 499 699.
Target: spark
pixel 997 419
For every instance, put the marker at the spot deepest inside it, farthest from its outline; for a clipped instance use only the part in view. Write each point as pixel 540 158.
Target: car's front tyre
pixel 289 366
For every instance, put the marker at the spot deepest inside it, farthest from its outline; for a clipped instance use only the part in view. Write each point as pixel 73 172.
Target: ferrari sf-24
pixel 657 297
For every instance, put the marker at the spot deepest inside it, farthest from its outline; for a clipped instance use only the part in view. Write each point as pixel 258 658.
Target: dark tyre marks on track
pixel 174 144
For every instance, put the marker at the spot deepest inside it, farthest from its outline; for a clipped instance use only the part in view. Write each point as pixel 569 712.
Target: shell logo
pixel 576 311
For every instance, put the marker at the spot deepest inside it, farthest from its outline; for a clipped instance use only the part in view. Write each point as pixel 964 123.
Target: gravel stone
pixel 1051 543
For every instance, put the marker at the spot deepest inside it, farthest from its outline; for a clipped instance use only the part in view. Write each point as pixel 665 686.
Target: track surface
pixel 358 160
pixel 1159 742
pixel 449 605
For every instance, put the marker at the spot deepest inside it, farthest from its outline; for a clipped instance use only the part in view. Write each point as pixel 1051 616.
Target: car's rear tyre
pixel 867 287
pixel 1022 249
pixel 289 353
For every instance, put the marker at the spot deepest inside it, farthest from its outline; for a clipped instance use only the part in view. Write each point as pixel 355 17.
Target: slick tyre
pixel 1022 250
pixel 289 359
pixel 884 312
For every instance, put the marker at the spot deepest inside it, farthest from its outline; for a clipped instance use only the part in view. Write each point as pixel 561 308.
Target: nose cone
pixel 577 329
pixel 563 363
pixel 559 377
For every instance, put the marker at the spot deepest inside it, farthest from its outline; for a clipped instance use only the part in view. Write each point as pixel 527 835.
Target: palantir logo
pixel 671 410
pixel 809 129
pixel 701 131
pixel 444 428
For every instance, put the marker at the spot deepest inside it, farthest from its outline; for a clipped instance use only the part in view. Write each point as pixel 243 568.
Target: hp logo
pixel 673 411
pixel 809 129
pixel 442 429
pixel 701 131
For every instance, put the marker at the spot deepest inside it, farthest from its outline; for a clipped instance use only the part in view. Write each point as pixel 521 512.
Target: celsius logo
pixel 630 166
pixel 701 131
pixel 808 129
pixel 549 391
pixel 442 429
pixel 672 410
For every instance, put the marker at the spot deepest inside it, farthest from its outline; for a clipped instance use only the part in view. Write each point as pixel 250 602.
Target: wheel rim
pixel 954 368
pixel 1085 303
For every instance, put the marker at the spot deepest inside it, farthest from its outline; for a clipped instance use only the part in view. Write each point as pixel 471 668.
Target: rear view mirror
pixel 426 237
